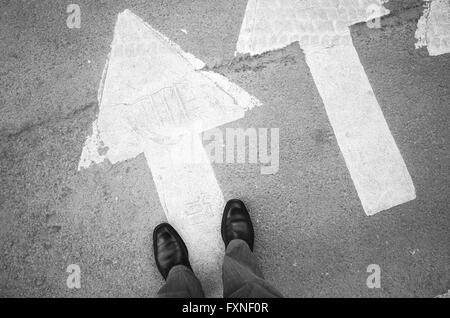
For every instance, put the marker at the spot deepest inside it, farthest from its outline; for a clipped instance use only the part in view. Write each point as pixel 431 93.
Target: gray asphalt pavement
pixel 313 237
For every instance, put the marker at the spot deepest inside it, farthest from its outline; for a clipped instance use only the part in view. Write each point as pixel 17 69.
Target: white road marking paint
pixel 154 99
pixel 433 28
pixel 274 24
pixel 371 155
pixel 447 295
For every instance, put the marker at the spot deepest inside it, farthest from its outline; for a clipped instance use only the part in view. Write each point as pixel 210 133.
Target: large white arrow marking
pixel 321 27
pixel 154 99
pixel 433 28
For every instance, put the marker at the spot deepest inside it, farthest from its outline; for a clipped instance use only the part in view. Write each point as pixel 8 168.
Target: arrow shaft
pixel 193 202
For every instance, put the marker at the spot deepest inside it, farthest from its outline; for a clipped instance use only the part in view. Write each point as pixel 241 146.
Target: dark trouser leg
pixel 181 283
pixel 241 276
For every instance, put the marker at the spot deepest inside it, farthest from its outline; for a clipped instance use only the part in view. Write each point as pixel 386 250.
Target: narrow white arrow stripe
pixel 372 157
pixel 433 28
pixel 155 99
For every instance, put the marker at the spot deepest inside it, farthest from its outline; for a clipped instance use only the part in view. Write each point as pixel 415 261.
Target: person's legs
pixel 181 283
pixel 172 260
pixel 241 275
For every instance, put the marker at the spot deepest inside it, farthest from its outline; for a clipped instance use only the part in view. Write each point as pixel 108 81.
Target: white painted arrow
pixel 322 29
pixel 433 28
pixel 155 99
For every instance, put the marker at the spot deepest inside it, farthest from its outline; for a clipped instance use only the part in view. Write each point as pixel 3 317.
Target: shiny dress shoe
pixel 236 223
pixel 169 249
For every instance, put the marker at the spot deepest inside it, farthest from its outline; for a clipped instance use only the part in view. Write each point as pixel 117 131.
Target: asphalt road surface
pixel 313 238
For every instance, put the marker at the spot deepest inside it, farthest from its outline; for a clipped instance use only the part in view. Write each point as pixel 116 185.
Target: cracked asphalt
pixel 313 237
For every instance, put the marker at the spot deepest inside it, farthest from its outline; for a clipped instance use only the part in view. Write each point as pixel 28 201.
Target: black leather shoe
pixel 236 223
pixel 169 249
